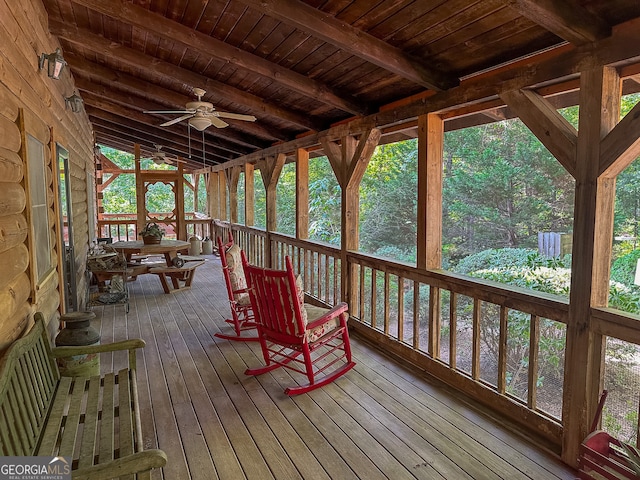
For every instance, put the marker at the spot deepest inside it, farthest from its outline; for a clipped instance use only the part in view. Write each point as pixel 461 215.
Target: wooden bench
pixel 93 421
pixel 177 275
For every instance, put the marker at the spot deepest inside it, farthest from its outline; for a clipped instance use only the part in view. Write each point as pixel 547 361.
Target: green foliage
pixel 623 269
pixel 325 199
pixel 388 213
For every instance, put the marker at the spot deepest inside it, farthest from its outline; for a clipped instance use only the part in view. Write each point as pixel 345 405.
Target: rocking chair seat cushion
pixel 313 313
pixel 236 275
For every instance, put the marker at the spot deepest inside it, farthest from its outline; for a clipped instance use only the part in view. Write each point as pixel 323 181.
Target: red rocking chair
pixel 288 328
pixel 242 317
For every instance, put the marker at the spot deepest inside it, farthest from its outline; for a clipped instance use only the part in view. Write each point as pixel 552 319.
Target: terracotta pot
pixel 151 240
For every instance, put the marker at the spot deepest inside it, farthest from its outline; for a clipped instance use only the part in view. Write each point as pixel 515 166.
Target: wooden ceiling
pixel 298 66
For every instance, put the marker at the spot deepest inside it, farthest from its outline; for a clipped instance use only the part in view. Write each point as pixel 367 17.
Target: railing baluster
pixel 453 329
pixel 434 322
pixel 534 340
pixel 386 303
pixel 374 298
pixel 416 315
pixel 502 350
pixel 401 309
pixel 475 360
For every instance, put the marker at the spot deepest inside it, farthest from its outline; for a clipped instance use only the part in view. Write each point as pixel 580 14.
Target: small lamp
pixel 199 122
pixel 74 102
pixel 55 63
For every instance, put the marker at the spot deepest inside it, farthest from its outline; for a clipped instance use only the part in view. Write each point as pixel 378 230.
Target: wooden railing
pixel 461 330
pixel 124 226
pixel 502 345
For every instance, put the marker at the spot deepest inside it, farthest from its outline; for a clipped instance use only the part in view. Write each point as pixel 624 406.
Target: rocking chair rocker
pixel 242 317
pixel 289 328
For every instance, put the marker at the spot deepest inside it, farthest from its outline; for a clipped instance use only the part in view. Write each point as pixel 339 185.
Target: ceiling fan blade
pixel 176 120
pixel 216 122
pixel 235 116
pixel 168 111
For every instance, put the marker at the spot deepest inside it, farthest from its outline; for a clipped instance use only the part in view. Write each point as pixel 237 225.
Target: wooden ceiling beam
pixel 171 99
pixel 133 125
pixel 566 18
pixel 235 140
pixel 116 131
pixel 348 38
pixel 157 24
pixel 102 47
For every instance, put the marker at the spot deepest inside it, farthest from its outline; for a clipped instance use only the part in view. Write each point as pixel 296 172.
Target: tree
pixel 501 186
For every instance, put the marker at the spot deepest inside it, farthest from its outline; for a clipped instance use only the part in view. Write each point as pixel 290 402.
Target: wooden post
pixel 181 224
pixel 222 189
pixel 232 177
pixel 429 212
pixel 270 170
pixel 213 195
pixel 302 194
pixel 141 215
pixel 349 161
pixel 600 92
pixel 249 195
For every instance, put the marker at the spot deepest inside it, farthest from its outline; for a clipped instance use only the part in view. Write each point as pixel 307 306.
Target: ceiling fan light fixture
pixel 199 123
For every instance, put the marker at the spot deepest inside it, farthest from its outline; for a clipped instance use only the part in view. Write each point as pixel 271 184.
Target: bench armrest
pixel 131 345
pixel 134 463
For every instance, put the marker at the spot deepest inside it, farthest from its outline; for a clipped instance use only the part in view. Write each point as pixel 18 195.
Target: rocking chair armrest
pixel 339 309
pixel 241 290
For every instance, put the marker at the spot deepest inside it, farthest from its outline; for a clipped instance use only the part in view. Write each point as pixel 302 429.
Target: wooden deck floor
pixel 378 421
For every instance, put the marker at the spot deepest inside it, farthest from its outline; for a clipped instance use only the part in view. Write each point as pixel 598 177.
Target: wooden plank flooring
pixel 378 421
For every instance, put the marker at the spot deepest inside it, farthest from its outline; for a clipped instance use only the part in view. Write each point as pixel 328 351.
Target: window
pixel 41 243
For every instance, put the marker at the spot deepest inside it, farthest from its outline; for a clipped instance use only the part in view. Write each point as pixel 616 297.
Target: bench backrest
pixel 28 380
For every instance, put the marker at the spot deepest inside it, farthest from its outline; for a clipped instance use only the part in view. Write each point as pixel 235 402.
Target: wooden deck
pixel 378 421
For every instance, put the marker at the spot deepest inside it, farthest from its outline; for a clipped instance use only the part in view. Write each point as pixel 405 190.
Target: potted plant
pixel 151 233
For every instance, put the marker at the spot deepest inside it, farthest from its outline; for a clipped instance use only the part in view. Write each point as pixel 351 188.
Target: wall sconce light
pixel 55 63
pixel 74 102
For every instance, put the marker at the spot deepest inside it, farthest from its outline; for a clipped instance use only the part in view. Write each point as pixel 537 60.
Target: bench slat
pixel 106 425
pixel 50 439
pixel 125 414
pixel 72 419
pixel 12 439
pixel 88 449
pixel 26 437
pixel 28 402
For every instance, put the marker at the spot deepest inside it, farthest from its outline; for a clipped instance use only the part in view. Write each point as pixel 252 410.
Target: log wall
pixel 33 104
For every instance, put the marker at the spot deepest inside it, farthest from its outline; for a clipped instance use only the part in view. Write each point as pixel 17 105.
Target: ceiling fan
pixel 159 157
pixel 202 114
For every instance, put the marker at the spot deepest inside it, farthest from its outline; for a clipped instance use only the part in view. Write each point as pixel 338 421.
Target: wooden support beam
pixel 270 170
pixel 621 146
pixel 349 161
pixel 209 46
pixel 566 18
pixel 302 194
pixel 128 56
pixel 249 195
pixel 551 128
pixel 429 221
pixel 232 178
pixel 354 41
pixel 96 74
pixel 141 216
pixel 592 234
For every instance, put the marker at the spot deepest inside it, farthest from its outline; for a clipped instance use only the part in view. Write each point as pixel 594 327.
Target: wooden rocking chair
pixel 288 328
pixel 242 317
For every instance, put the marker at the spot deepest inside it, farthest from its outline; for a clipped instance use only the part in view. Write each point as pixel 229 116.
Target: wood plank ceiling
pixel 298 66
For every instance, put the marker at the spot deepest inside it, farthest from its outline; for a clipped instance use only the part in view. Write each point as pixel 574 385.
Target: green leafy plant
pixel 152 229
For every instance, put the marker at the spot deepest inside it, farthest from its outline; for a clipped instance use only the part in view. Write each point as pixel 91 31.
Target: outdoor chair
pixel 242 318
pixel 310 340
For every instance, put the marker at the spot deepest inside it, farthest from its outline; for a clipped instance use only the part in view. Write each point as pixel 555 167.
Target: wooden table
pixel 168 248
pixel 181 277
